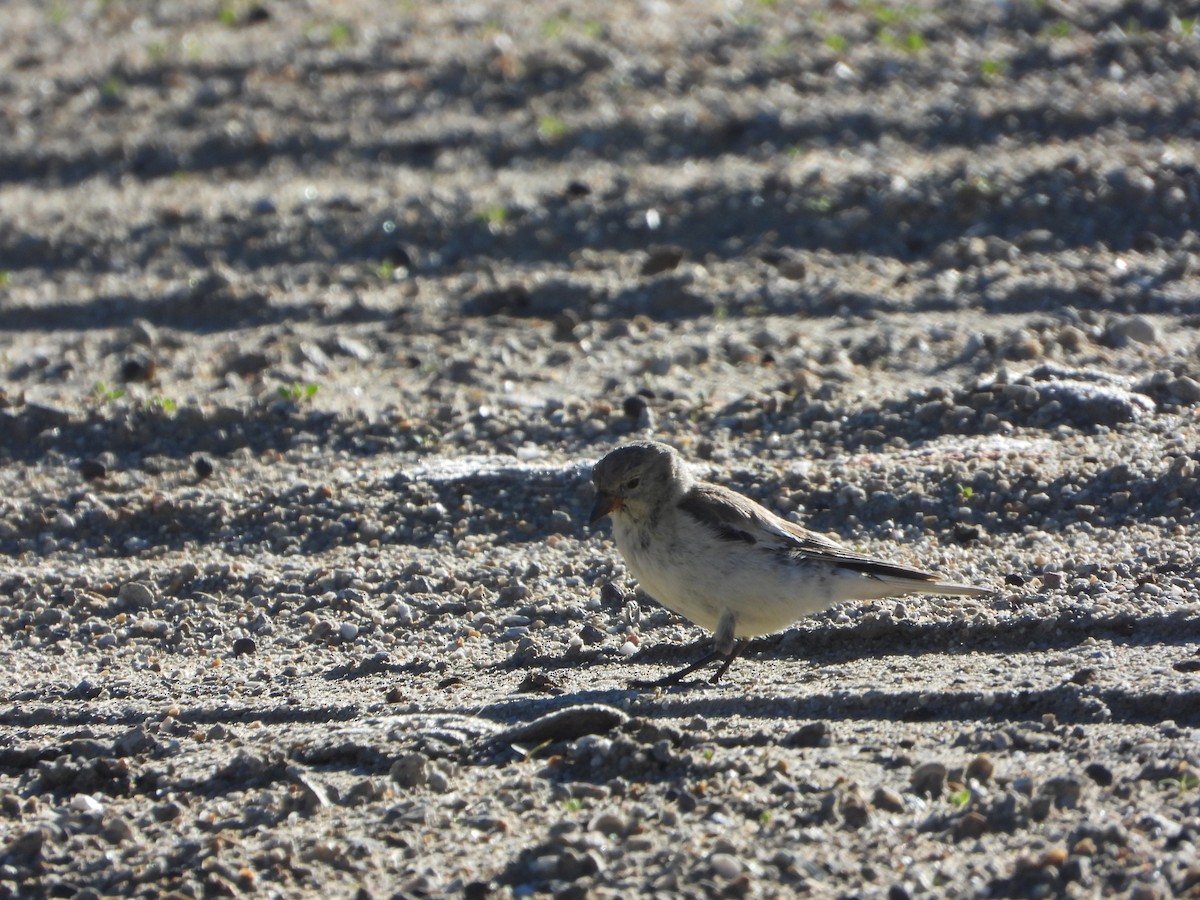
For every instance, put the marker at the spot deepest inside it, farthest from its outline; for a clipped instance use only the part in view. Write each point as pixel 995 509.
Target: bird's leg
pixel 732 655
pixel 676 677
pixel 724 645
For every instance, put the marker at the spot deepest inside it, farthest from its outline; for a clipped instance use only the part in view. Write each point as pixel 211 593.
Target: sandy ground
pixel 313 318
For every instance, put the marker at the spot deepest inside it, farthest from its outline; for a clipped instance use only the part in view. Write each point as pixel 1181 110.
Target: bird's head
pixel 637 479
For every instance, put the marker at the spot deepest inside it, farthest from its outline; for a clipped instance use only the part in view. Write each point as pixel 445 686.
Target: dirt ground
pixel 314 317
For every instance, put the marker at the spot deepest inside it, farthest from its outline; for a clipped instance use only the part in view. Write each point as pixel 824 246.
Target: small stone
pixel 1076 868
pixel 1185 389
pixel 811 734
pixel 93 470
pixel 929 779
pixel 608 822
pixel 980 768
pixel 887 800
pixel 1099 773
pixel 136 593
pixel 662 258
pixel 437 780
pixel 347 631
pixel 611 595
pixel 26 847
pixel 635 407
pixel 132 742
pixel 725 865
pixel 138 368
pixel 117 830
pixel 1086 675
pixel 202 466
pixel 574 864
pixel 143 333
pixel 410 770
pixel 853 808
pixel 1135 328
pixel 244 646
pixel 972 825
pixel 166 812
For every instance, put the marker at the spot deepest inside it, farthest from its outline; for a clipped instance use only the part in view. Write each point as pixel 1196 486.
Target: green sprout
pixel 102 393
pixel 993 68
pixel 836 43
pixel 112 88
pixel 959 799
pixel 554 27
pixel 339 34
pixel 296 392
pixel 495 216
pixel 553 129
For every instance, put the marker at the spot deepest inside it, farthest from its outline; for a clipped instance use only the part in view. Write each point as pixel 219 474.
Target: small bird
pixel 727 563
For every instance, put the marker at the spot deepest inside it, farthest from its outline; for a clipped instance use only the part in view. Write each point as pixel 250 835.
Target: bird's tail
pixel 949 588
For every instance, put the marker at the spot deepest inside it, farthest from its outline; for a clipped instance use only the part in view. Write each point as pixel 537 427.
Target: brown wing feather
pixel 738 518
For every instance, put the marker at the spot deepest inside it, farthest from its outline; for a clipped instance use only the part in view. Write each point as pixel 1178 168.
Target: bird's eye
pixel 632 483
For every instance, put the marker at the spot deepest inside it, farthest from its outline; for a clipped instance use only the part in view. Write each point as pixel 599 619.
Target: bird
pixel 727 563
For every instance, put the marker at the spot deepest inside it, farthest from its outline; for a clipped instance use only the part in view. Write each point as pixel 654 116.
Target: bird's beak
pixel 605 503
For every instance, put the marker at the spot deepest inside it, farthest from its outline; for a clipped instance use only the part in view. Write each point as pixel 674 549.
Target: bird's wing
pixel 737 518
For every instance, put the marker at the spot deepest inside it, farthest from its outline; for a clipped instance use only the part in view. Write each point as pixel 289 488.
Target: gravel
pixel 314 321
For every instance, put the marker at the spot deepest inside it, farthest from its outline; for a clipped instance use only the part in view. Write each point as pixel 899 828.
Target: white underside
pixel 691 571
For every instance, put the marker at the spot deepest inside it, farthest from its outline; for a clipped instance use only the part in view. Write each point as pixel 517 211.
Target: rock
pixel 27 846
pixel 662 258
pixel 136 593
pixel 929 779
pixel 133 742
pixel 811 734
pixel 725 865
pixel 972 824
pixel 980 768
pixel 853 808
pixel 565 724
pixel 1137 329
pixel 138 367
pixel 93 469
pixel 244 646
pixel 1065 791
pixel 410 770
pixel 1185 389
pixel 887 800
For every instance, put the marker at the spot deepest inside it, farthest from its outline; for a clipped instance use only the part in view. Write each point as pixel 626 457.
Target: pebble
pixel 136 593
pixel 1134 328
pixel 725 865
pixel 92 469
pixel 1185 389
pixel 928 779
pixel 410 770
